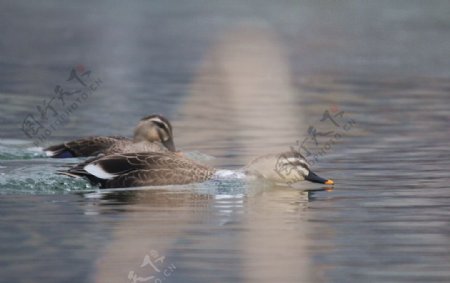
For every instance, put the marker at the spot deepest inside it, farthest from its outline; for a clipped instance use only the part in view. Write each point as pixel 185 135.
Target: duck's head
pixel 155 128
pixel 287 167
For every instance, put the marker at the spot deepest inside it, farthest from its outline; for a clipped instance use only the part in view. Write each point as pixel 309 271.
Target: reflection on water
pixel 233 91
pixel 201 232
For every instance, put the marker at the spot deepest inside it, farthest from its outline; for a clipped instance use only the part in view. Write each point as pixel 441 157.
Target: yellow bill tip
pixel 329 182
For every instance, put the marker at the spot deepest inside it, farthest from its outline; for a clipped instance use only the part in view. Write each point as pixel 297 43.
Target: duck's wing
pixel 142 169
pixel 89 146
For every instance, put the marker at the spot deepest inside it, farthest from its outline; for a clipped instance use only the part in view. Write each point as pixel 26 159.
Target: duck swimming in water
pixel 152 134
pixel 156 169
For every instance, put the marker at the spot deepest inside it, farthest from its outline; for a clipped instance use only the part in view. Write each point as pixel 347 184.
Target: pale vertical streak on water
pixel 246 83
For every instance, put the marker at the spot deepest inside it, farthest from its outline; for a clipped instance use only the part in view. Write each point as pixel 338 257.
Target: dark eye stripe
pixel 297 163
pixel 158 118
pixel 161 125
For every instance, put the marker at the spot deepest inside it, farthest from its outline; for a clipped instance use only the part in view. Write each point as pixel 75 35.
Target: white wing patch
pixel 98 171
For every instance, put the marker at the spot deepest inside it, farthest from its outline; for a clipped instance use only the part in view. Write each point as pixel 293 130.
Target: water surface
pixel 237 80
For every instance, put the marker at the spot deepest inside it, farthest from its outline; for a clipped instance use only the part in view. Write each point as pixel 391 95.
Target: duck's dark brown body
pixel 142 169
pixel 153 133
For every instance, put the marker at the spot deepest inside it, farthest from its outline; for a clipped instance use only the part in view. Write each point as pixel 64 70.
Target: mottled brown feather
pixel 145 169
pixel 88 146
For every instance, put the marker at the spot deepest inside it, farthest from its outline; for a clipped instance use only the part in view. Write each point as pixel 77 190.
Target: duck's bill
pixel 169 144
pixel 312 177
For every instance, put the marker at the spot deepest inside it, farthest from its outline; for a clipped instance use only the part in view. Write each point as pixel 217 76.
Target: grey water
pixel 368 80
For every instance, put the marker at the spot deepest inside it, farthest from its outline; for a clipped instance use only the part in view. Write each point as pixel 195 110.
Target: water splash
pixel 42 185
pixel 37 176
pixel 19 149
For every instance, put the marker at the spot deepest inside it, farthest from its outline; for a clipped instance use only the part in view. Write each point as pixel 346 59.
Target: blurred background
pixel 237 80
